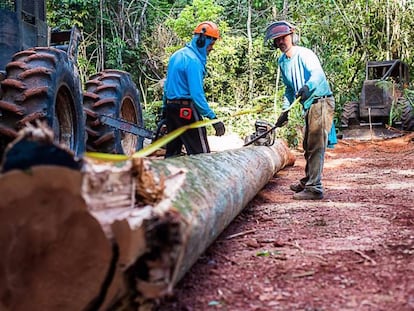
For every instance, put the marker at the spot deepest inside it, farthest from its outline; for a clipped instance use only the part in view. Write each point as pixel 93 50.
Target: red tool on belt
pixel 186 113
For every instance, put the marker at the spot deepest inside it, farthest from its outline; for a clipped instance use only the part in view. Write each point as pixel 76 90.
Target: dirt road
pixel 353 250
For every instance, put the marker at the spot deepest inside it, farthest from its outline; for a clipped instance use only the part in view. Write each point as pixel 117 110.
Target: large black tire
pixel 350 114
pixel 112 93
pixel 43 84
pixel 407 115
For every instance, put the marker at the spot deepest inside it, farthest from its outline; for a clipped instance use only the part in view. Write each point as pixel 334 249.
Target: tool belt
pixel 315 99
pixel 179 101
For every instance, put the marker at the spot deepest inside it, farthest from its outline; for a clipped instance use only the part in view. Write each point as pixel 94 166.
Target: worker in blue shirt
pixel 304 77
pixel 184 98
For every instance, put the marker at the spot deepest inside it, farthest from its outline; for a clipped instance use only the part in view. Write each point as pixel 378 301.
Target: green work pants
pixel 318 123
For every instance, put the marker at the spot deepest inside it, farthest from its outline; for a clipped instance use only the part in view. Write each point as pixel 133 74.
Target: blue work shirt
pixel 185 76
pixel 302 68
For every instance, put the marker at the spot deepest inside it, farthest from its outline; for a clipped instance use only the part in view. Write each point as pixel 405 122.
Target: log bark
pixel 124 233
pixel 214 191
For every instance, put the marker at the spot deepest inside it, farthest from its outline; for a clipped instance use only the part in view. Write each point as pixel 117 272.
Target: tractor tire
pixel 350 114
pixel 43 84
pixel 112 93
pixel 407 115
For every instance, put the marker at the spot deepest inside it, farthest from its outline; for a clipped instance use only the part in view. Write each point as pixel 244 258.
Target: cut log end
pixel 51 245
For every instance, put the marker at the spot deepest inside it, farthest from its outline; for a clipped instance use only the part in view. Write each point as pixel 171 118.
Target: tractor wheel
pixel 350 114
pixel 43 84
pixel 407 115
pixel 112 93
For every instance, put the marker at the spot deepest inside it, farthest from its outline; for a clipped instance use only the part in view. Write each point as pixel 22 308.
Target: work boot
pixel 308 195
pixel 297 187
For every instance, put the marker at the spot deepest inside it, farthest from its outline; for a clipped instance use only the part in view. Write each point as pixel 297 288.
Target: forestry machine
pixel 40 81
pixel 380 102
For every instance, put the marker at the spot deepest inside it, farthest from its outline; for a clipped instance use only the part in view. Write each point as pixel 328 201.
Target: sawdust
pixel 353 250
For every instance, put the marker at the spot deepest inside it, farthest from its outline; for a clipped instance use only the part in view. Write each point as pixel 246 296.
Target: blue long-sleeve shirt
pixel 185 76
pixel 303 68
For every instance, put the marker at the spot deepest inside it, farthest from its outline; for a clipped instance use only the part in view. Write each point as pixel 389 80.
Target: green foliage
pixel 64 14
pixel 228 79
pixel 114 51
pixel 293 132
pixel 394 89
pixel 151 114
pixel 139 37
pixel 191 15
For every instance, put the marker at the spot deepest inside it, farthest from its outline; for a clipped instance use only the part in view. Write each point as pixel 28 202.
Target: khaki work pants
pixel 318 123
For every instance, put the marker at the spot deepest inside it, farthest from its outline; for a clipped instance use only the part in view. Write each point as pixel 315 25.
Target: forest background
pixel 139 36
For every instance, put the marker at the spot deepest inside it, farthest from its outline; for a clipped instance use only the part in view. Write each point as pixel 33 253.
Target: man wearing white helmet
pixel 304 77
pixel 184 98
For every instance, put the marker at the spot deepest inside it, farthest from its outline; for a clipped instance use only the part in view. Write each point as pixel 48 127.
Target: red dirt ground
pixel 353 250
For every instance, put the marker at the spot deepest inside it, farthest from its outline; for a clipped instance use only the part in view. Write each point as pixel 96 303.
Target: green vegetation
pixel 139 36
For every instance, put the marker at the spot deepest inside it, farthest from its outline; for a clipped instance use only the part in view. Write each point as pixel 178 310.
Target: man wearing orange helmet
pixel 304 77
pixel 184 98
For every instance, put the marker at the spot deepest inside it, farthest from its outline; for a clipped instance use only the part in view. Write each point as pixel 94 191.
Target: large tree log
pixel 214 191
pixel 129 234
pixel 186 203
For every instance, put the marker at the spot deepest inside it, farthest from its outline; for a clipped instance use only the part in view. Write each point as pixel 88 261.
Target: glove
pixel 283 118
pixel 303 93
pixel 220 129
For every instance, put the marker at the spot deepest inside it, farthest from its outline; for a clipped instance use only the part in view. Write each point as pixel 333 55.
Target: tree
pixel 140 35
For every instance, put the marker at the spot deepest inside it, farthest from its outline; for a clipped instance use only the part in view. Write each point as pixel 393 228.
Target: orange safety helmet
pixel 208 29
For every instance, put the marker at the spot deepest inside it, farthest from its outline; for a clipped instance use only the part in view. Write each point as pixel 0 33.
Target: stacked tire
pixel 112 93
pixel 350 114
pixel 43 84
pixel 407 115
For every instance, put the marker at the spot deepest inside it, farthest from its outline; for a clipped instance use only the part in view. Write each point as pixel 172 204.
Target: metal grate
pixel 42 11
pixel 374 96
pixel 28 7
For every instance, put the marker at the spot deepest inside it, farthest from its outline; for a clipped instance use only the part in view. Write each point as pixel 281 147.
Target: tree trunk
pixel 120 232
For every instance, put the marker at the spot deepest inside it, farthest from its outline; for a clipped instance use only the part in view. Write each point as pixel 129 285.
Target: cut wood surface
pixel 54 254
pixel 120 233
